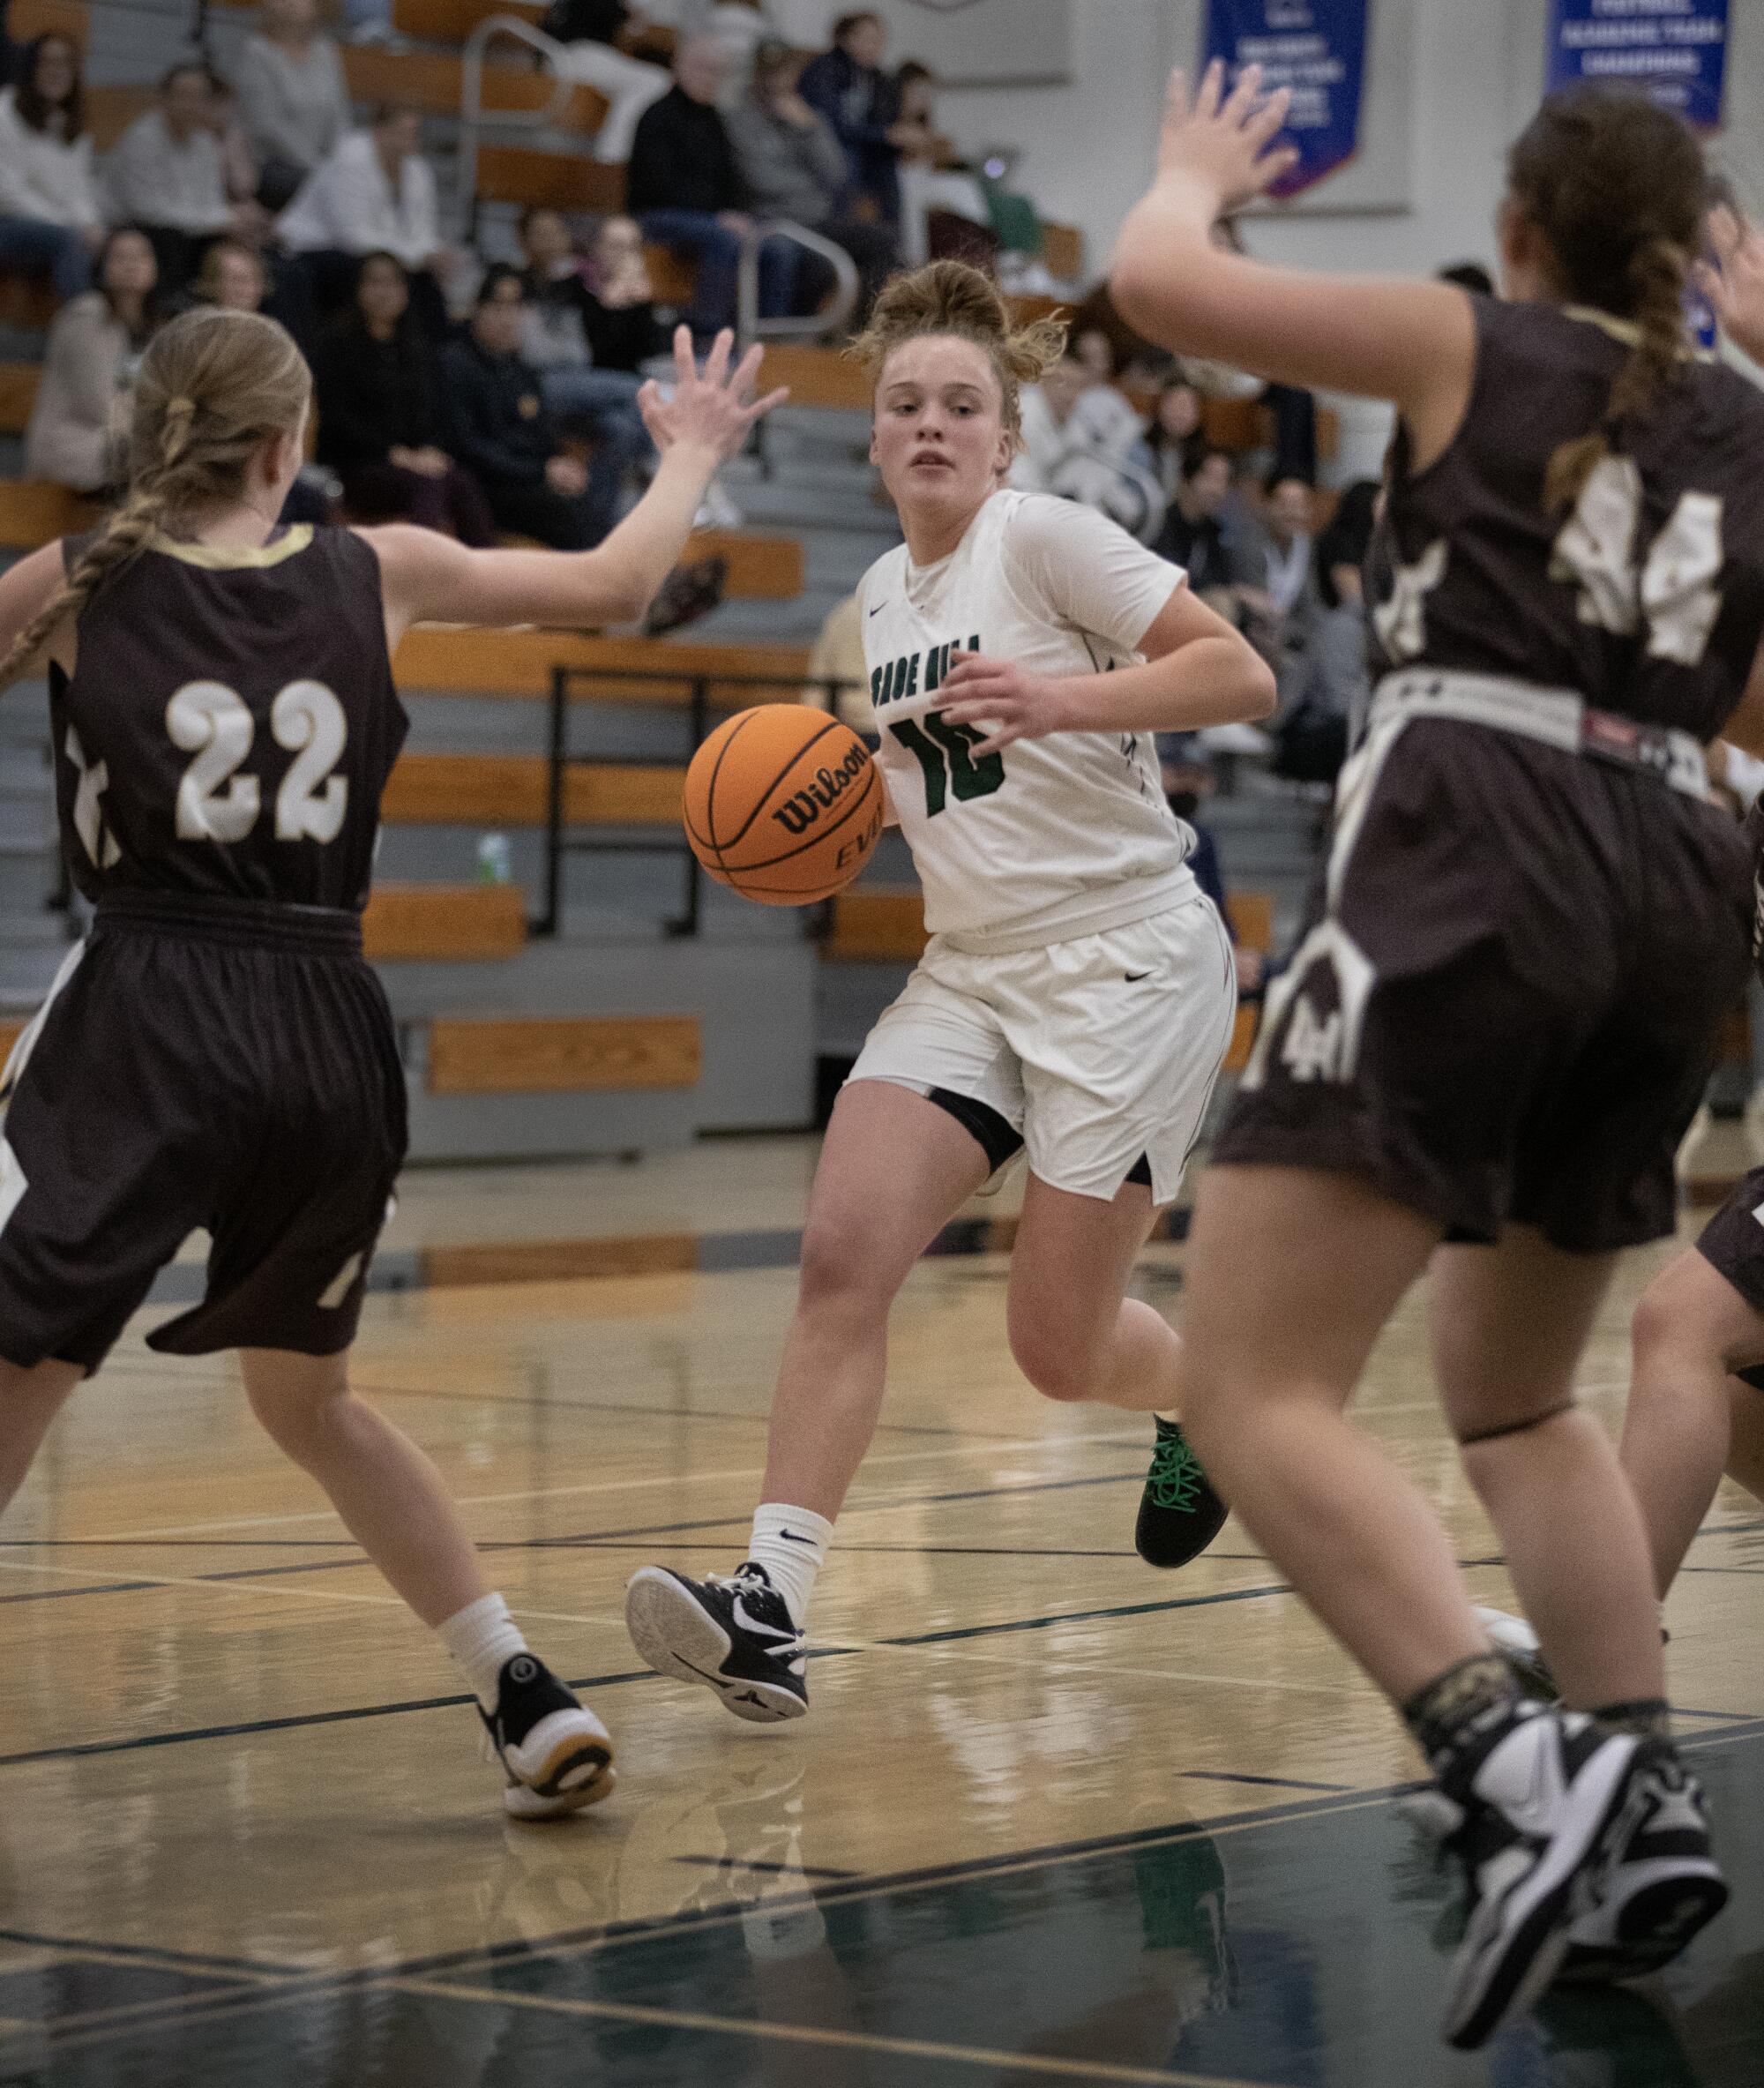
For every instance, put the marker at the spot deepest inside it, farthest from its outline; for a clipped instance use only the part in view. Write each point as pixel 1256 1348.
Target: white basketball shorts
pixel 1098 1052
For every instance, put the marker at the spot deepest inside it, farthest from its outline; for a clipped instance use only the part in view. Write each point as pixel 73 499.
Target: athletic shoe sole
pixel 1675 1900
pixel 564 1764
pixel 679 1640
pixel 1516 1940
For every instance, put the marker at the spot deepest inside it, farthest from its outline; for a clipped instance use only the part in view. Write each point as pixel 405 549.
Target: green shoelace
pixel 1176 1477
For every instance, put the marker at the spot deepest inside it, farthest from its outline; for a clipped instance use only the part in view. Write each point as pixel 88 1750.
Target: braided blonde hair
pixel 212 388
pixel 1619 187
pixel 950 298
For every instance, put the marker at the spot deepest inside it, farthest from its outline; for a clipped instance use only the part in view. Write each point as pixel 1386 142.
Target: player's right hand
pixel 712 408
pixel 1226 142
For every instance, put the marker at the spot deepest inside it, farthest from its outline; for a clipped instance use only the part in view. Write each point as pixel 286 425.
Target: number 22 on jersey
pixel 215 802
pixel 945 753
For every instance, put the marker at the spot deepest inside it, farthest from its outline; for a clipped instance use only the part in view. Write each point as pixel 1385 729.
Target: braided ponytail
pixel 1619 189
pixel 214 387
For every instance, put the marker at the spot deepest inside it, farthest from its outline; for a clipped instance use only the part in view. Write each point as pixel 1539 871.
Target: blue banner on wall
pixel 1317 49
pixel 1674 49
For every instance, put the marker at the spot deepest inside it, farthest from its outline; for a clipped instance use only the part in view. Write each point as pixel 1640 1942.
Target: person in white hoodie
pixel 50 219
pixel 373 194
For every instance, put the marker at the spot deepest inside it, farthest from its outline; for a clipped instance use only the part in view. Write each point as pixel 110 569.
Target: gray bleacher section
pixel 765 1006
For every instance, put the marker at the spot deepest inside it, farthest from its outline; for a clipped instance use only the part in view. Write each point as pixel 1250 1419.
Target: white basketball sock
pixel 483 1637
pixel 790 1543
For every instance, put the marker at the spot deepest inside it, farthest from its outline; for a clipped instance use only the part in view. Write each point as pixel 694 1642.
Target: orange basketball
pixel 783 804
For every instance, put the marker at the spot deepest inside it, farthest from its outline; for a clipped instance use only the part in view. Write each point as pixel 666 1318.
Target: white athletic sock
pixel 790 1543
pixel 483 1637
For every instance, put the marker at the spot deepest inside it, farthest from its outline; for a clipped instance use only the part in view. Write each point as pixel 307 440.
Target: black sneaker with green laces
pixel 1179 1513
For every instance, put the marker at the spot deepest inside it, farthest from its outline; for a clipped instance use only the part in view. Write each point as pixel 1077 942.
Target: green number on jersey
pixel 946 753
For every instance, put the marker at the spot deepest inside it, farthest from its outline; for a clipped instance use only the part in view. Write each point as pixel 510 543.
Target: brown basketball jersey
pixel 1648 598
pixel 230 722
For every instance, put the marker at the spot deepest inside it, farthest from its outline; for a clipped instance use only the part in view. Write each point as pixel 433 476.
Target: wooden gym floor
pixel 1054 1817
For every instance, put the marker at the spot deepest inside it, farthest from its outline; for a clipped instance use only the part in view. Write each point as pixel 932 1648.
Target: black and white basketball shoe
pixel 1657 1882
pixel 733 1632
pixel 556 1754
pixel 1541 1804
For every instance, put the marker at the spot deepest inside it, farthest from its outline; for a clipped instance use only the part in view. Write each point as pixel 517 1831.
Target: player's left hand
pixel 1734 285
pixel 1004 701
pixel 1226 142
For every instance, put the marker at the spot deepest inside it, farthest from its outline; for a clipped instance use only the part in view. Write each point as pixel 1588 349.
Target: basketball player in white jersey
pixel 1077 996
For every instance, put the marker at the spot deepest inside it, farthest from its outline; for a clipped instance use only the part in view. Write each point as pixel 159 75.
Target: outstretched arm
pixel 429 579
pixel 1410 342
pixel 1198 671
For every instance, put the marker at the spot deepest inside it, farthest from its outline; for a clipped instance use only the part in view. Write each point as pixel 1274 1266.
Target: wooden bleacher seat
pixel 12 1029
pixel 442 659
pixel 453 21
pixel 27 303
pixel 817 376
pixel 33 512
pixel 548 181
pixel 445 922
pixel 1253 920
pixel 18 382
pixel 875 925
pixel 673 279
pixel 433 81
pixel 1063 251
pixel 1247 424
pixel 1034 305
pixel 760 568
pixel 516 1055
pixel 71 19
pixel 512 789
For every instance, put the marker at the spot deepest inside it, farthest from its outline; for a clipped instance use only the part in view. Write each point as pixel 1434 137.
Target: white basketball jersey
pixel 1054 838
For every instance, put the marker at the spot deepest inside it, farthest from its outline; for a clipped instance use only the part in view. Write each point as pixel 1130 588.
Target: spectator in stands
pixel 375 194
pixel 1174 440
pixel 51 222
pixel 793 166
pixel 380 416
pixel 1280 593
pixel 862 105
pixel 1195 536
pixel 619 310
pixel 169 175
pixel 944 213
pixel 232 276
pixel 501 430
pixel 582 398
pixel 94 347
pixel 239 172
pixel 1079 443
pixel 684 188
pixel 590 31
pixel 739 26
pixel 1340 679
pixel 293 98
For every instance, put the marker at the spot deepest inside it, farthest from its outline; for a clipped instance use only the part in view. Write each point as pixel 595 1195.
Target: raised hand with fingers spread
pixel 712 407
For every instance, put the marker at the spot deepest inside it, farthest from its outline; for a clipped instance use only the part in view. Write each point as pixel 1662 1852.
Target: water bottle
pixel 496 859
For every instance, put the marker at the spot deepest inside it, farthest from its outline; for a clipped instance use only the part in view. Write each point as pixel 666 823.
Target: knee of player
pixel 1058 1367
pixel 1672 1321
pixel 837 1274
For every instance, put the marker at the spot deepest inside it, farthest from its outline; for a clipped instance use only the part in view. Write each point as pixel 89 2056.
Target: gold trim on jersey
pixel 229 557
pixel 1626 331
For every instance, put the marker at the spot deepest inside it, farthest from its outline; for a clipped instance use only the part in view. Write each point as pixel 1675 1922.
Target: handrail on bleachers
pixel 514 29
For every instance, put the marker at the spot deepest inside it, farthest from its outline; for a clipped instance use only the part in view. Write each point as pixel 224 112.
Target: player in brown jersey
pixel 216 1053
pixel 1498 1025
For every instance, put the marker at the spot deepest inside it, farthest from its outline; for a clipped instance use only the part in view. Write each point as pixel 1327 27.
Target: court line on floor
pixel 579 1541
pixel 294 1720
pixel 1029 1443
pixel 847 2040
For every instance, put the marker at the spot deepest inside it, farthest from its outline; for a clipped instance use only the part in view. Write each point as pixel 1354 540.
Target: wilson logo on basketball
pixel 798 813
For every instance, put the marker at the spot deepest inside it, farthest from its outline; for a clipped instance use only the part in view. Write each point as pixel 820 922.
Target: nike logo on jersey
pixel 879 606
pixel 1134 977
pixel 914 673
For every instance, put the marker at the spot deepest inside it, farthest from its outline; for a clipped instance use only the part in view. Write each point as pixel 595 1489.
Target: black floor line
pixel 147 1954
pixel 75 1750
pixel 1226 1775
pixel 584 1540
pixel 782 1870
